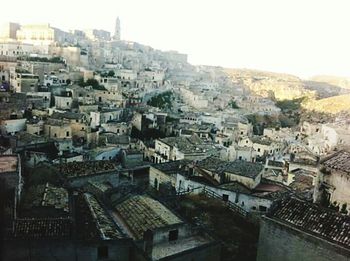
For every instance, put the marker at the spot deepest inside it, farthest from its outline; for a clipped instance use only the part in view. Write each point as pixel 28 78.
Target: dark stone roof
pixel 172 167
pixel 113 138
pixel 86 168
pixel 238 167
pixel 313 219
pixel 67 115
pixel 338 161
pixel 141 213
pixel 275 163
pixel 41 228
pixel 105 226
pixel 236 186
pixel 49 149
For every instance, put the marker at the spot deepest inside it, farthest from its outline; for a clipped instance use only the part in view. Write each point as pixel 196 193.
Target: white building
pixel 16 49
pixel 11 127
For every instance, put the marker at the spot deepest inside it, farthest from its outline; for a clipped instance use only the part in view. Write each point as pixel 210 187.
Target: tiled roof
pixel 275 163
pixel 75 169
pixel 313 219
pixel 141 213
pixel 238 167
pixel 104 224
pixel 339 161
pixel 244 168
pixel 42 228
pixel 172 167
pixel 67 115
pixel 235 186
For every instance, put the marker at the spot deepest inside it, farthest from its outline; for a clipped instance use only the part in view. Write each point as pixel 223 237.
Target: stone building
pixel 11 183
pixel 332 187
pixel 57 129
pixel 95 236
pixel 26 82
pixel 161 235
pixel 177 148
pixel 164 174
pixel 298 230
pixel 78 174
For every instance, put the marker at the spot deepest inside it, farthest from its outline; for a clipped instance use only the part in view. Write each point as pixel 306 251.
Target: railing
pixel 232 206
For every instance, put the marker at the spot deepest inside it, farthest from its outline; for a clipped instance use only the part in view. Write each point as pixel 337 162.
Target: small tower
pixel 116 36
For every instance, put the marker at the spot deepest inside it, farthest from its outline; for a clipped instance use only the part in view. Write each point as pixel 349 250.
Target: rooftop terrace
pixel 47 196
pixel 167 249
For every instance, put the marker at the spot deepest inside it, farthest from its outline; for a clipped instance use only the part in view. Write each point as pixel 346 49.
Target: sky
pixel 301 37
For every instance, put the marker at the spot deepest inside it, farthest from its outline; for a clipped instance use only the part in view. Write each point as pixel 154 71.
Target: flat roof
pixel 167 249
pixel 8 163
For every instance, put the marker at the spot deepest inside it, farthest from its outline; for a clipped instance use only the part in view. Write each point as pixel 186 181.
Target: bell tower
pixel 116 36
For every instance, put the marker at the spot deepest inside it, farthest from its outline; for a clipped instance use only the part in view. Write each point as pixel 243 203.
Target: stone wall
pixel 281 242
pixel 64 250
pixel 109 176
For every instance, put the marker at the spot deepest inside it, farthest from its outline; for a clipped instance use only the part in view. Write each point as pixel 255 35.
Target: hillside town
pixel 114 150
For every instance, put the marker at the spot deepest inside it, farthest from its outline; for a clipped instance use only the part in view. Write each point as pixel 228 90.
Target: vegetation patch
pixel 162 101
pixel 239 238
pixel 91 82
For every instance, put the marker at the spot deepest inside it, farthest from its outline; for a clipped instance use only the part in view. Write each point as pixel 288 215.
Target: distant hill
pixel 334 105
pixel 342 82
pixel 324 89
pixel 268 84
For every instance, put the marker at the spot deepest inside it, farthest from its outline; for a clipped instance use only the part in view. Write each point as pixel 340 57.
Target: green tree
pixel 111 73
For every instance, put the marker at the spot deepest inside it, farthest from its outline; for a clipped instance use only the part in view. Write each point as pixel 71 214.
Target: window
pixel 225 197
pixel 67 133
pixel 236 199
pixel 173 235
pixel 240 157
pixel 102 252
pixel 262 208
pixel 258 149
pixel 242 204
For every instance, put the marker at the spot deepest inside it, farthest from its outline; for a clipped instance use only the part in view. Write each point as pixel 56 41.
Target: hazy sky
pixel 302 37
